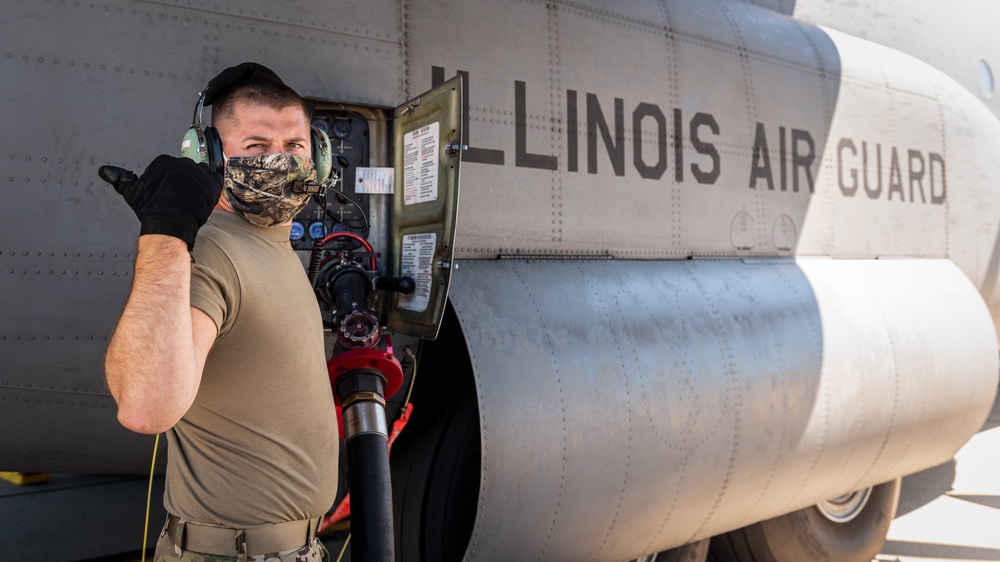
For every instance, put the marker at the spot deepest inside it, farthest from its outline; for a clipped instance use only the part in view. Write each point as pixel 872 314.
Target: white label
pixel 418 253
pixel 420 165
pixel 375 180
pixel 185 144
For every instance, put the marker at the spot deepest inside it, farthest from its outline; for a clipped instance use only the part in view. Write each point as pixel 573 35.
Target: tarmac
pixel 951 513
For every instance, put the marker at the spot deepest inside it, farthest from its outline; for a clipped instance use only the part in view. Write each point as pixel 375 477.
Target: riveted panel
pixel 499 197
pixel 885 162
pixel 116 82
pixel 689 398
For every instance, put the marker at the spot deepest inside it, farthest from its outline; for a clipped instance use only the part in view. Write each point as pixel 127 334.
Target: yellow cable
pixel 343 549
pixel 149 497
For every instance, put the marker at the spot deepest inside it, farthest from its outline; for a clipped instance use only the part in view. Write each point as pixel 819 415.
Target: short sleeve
pixel 215 285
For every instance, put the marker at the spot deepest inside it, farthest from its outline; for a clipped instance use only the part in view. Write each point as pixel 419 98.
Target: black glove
pixel 174 196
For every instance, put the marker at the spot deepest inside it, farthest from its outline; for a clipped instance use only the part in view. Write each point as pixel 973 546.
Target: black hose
pixel 371 498
pixel 350 289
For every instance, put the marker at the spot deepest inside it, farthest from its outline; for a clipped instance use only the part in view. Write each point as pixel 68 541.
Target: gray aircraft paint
pixel 632 131
pixel 661 431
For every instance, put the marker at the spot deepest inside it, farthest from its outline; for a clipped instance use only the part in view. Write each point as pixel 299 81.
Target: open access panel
pixel 427 138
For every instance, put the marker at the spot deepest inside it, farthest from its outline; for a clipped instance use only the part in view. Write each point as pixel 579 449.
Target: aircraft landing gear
pixel 848 528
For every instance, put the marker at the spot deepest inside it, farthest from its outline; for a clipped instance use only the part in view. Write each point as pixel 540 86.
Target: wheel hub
pixel 846 507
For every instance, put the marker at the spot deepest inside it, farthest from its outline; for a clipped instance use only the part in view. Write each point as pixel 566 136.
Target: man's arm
pixel 157 353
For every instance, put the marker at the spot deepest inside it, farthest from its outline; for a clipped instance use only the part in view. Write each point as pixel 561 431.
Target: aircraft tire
pixel 436 459
pixel 453 486
pixel 694 552
pixel 809 534
pixel 436 493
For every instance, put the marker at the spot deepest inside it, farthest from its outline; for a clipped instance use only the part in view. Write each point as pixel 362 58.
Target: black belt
pixel 224 541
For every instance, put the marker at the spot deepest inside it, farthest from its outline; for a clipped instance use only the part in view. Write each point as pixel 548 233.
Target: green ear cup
pixel 192 146
pixel 204 147
pixel 322 155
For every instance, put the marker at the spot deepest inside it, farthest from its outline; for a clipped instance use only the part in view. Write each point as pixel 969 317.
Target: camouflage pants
pixel 166 551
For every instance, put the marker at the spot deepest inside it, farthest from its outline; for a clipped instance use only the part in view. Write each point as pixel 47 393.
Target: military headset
pixel 203 144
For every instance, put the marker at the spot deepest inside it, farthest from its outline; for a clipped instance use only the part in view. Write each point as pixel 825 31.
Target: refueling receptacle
pixel 410 219
pixel 363 373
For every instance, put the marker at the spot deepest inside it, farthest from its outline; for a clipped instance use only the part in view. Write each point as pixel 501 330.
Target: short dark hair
pixel 260 92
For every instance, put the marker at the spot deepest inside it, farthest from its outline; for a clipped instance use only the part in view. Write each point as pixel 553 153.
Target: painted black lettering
pixel 615 145
pixel 872 193
pixel 655 171
pixel 523 158
pixel 572 129
pixel 705 148
pixel 473 153
pixel 761 166
pixel 895 181
pixel 933 158
pixel 847 190
pixel 783 159
pixel 916 174
pixel 802 160
pixel 678 146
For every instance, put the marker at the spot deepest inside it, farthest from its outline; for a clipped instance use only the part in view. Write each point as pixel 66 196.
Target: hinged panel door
pixel 428 147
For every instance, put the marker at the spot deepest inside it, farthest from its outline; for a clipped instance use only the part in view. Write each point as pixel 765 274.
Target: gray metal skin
pixel 682 399
pixel 627 405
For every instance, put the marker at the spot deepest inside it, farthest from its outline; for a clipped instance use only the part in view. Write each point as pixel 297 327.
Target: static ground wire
pixel 343 549
pixel 149 497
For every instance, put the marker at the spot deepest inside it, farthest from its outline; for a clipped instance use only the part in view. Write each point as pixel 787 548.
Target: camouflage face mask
pixel 270 189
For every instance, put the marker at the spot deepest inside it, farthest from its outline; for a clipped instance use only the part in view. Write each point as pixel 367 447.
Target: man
pixel 222 347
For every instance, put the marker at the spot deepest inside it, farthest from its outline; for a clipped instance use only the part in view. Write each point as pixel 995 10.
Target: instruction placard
pixel 375 181
pixel 418 254
pixel 420 165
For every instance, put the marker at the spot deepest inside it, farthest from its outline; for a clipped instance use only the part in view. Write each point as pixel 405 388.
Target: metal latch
pixel 453 147
pixel 413 104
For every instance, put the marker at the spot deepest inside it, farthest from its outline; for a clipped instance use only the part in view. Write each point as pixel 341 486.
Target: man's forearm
pixel 150 366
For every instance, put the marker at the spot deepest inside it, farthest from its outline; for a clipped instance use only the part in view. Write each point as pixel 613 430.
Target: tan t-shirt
pixel 259 445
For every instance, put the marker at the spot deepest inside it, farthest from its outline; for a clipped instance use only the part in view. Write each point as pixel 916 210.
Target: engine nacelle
pixel 637 406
